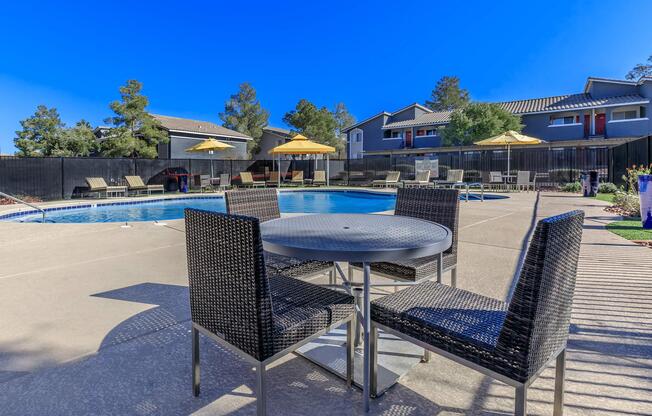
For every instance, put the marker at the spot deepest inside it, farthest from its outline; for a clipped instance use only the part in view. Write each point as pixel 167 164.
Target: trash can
pixel 584 181
pixel 593 183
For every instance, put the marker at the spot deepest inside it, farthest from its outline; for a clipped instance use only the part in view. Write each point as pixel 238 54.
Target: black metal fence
pixel 63 178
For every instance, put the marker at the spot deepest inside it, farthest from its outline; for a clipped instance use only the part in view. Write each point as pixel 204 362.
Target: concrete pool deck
pixel 94 320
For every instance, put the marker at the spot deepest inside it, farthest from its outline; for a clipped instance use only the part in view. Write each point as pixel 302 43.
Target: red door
pixel 408 138
pixel 587 125
pixel 600 120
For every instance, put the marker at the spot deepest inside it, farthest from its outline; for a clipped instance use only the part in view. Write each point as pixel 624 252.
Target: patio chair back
pixel 455 175
pixel 319 176
pixel 423 176
pixel 495 177
pixel 523 177
pixel 273 176
pixel 297 176
pixel 135 182
pixel 246 178
pixel 437 205
pixel 225 179
pixel 393 176
pixel 96 184
pixel 229 288
pixel 536 325
pixel 257 203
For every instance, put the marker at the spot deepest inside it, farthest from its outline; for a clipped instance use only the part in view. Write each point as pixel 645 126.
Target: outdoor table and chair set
pixel 250 291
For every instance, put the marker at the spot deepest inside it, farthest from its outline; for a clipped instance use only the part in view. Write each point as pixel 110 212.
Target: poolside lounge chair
pixel 523 180
pixel 422 179
pixel 454 178
pixel 297 177
pixel 263 204
pixel 437 205
pixel 136 184
pixel 247 180
pixel 225 181
pixel 390 180
pixel 99 186
pixel 509 341
pixel 319 178
pixel 496 180
pixel 273 179
pixel 258 316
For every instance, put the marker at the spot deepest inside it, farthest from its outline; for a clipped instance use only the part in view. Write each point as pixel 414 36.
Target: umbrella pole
pixel 278 177
pixel 328 169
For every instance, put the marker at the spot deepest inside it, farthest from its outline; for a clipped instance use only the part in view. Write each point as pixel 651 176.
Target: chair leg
pixel 350 273
pixel 426 356
pixel 357 296
pixel 350 327
pixel 520 408
pixel 440 267
pixel 560 370
pixel 195 361
pixel 454 276
pixel 261 390
pixel 373 359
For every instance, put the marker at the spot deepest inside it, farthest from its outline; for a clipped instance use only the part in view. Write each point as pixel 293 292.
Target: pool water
pixel 353 202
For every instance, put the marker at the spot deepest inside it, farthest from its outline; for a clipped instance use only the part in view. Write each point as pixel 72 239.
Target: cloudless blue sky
pixel 372 55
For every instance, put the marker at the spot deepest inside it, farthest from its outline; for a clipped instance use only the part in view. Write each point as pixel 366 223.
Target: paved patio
pixel 95 320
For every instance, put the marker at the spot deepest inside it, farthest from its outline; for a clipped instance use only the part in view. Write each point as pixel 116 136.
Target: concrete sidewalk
pixel 94 320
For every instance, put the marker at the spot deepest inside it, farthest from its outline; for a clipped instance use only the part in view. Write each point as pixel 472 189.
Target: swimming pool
pixel 172 208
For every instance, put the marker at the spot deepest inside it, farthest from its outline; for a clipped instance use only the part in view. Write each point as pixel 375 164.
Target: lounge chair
pixel 136 184
pixel 99 186
pixel 319 178
pixel 437 205
pixel 297 178
pixel 225 181
pixel 247 180
pixel 523 180
pixel 454 178
pixel 263 204
pixel 509 341
pixel 390 180
pixel 422 179
pixel 255 315
pixel 496 180
pixel 273 179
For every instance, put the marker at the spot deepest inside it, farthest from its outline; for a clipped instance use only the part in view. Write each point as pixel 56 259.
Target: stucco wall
pixel 538 125
pixel 608 89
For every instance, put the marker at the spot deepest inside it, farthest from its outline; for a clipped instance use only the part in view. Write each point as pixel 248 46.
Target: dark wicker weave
pixel 263 204
pixel 436 205
pixel 233 300
pixel 515 340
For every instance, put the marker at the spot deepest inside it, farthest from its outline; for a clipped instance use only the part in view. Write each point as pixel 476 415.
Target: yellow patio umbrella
pixel 509 138
pixel 209 146
pixel 301 145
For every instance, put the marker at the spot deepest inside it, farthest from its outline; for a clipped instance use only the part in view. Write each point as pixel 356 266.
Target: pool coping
pixel 21 210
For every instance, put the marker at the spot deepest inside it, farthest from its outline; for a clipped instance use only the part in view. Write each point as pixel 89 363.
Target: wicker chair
pixel 234 302
pixel 263 204
pixel 511 342
pixel 436 205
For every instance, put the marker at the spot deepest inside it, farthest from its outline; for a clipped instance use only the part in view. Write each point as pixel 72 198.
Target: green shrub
pixel 607 188
pixel 628 203
pixel 572 187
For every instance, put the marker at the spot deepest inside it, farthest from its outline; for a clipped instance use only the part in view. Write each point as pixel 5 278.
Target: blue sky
pixel 373 56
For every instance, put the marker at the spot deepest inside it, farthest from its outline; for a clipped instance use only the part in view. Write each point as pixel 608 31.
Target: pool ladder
pixel 20 201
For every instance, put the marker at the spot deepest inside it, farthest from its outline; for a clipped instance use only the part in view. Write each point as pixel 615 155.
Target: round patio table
pixel 364 238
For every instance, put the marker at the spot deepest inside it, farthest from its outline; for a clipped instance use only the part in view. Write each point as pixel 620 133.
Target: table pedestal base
pixel 395 357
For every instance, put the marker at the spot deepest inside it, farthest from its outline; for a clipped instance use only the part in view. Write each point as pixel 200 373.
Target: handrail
pixel 13 198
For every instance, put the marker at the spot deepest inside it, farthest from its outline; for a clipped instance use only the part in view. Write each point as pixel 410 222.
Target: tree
pixel 478 121
pixel 447 95
pixel 640 70
pixel 317 124
pixel 243 113
pixel 135 133
pixel 343 119
pixel 78 141
pixel 41 133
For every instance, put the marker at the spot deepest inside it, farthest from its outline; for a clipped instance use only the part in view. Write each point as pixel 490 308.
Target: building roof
pixel 568 102
pixel 359 123
pixel 283 133
pixel 427 119
pixel 185 125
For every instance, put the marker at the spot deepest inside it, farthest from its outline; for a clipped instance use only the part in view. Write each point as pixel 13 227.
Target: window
pixel 421 133
pixel 432 132
pixel 397 134
pixel 642 112
pixel 387 134
pixel 560 121
pixel 624 115
pixel 426 132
